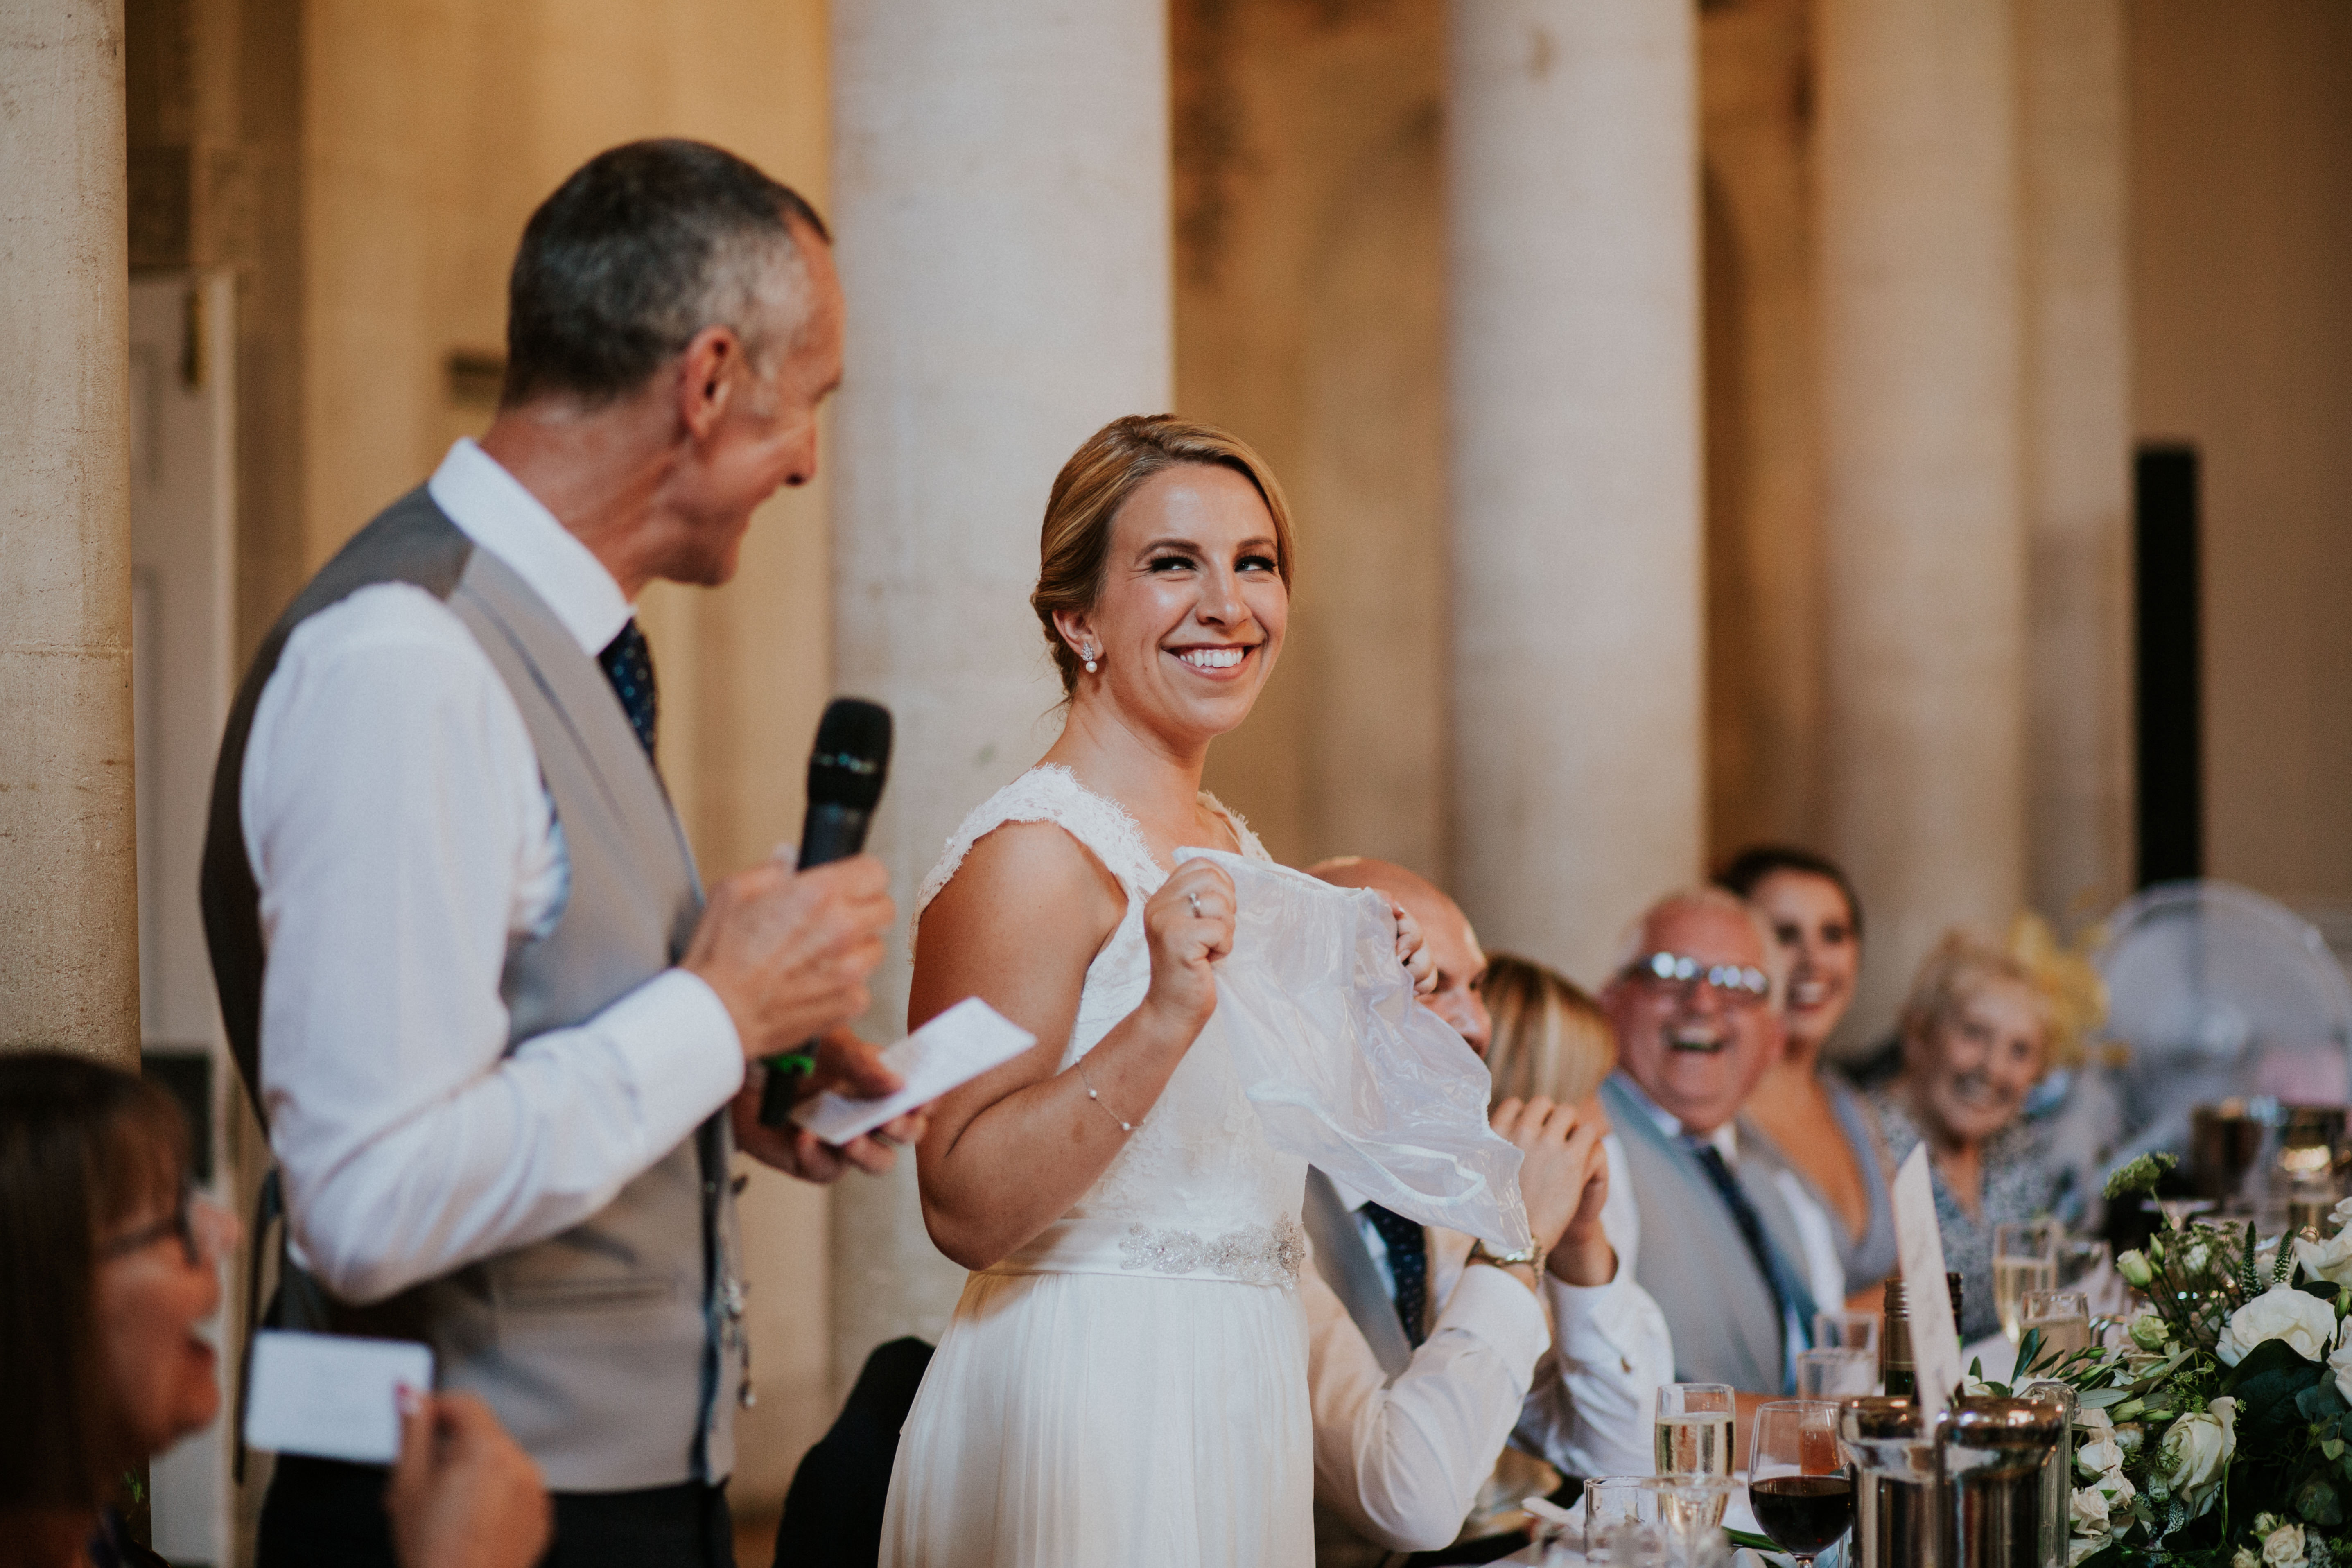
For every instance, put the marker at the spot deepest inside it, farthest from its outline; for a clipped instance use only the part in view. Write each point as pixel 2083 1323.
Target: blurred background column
pixel 1923 526
pixel 2077 456
pixel 1000 203
pixel 69 876
pixel 1573 297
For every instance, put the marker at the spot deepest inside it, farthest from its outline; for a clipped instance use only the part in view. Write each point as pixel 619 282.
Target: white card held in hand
pixel 958 1046
pixel 329 1396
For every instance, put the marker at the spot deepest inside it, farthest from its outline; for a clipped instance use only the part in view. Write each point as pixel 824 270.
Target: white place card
pixel 958 1046
pixel 1919 1245
pixel 331 1396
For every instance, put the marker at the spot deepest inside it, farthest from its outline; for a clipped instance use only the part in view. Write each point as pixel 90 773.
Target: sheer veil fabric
pixel 1130 1387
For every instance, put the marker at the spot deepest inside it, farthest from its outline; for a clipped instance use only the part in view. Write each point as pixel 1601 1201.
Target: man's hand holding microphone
pixel 789 951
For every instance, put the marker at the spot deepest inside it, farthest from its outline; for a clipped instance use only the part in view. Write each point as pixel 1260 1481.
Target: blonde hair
pixel 2067 992
pixel 1550 1037
pixel 1095 483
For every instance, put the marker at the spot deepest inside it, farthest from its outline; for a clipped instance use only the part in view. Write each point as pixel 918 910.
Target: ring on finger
pixel 1194 900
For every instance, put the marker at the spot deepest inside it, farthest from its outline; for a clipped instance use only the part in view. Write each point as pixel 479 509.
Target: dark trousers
pixel 322 1513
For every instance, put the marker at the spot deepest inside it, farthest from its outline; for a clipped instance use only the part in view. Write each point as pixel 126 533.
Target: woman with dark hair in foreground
pixel 107 1262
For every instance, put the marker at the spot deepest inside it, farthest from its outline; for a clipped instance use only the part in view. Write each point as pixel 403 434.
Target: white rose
pixel 2243 1557
pixel 2285 1547
pixel 2342 1213
pixel 2281 1312
pixel 2330 1260
pixel 2100 1455
pixel 2340 1363
pixel 2088 1512
pixel 2197 1452
pixel 2117 1487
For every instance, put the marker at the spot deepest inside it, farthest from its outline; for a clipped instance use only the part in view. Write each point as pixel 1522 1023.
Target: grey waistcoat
pixel 613 1351
pixel 1694 1262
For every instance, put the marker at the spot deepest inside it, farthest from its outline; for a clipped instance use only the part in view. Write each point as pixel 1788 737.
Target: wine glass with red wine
pixel 1797 1479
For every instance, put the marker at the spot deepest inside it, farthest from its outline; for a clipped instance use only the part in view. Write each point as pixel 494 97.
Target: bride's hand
pixel 1189 924
pixel 1412 952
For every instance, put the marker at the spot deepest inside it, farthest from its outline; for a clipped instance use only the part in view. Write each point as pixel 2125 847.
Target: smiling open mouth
pixel 1704 1042
pixel 1214 657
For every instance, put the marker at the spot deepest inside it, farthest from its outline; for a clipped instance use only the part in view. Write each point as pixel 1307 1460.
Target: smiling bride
pixel 1125 1378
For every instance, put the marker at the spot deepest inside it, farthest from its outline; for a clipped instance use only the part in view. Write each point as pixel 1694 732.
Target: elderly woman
pixel 1806 1118
pixel 108 1265
pixel 1976 1033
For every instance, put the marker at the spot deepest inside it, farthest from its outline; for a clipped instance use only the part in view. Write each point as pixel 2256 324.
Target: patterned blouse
pixel 2020 1183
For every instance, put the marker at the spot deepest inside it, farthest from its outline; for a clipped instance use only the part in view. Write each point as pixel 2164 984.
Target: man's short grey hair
pixel 644 246
pixel 1634 943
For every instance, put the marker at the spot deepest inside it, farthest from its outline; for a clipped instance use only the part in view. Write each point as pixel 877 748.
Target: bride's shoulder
pixel 1027 843
pixel 1026 883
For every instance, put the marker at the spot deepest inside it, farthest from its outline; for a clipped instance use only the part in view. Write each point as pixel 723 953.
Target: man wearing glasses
pixel 1696 1026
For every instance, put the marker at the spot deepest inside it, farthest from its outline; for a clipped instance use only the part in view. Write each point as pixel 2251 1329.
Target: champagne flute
pixel 1841 1330
pixel 2024 1257
pixel 1694 1429
pixel 2063 1316
pixel 1798 1483
pixel 1836 1374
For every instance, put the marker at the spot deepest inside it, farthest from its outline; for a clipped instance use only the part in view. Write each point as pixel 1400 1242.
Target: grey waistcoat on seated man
pixel 613 1351
pixel 1694 1261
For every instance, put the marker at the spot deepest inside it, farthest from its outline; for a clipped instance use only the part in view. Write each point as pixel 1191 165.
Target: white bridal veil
pixel 1345 1069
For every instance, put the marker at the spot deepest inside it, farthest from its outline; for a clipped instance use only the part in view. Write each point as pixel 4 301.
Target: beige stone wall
pixel 431 129
pixel 2241 321
pixel 69 883
pixel 1310 319
pixel 1763 415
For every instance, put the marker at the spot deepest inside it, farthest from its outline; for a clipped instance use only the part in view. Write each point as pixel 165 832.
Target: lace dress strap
pixel 1053 793
pixel 1251 849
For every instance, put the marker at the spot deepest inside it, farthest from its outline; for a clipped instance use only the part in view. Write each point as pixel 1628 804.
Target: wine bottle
pixel 1894 1367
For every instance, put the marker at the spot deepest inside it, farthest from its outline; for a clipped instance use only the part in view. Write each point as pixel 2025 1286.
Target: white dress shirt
pixel 1403 1461
pixel 402 843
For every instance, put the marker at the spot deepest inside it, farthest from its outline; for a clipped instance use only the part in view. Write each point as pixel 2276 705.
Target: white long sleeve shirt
pixel 1402 1461
pixel 403 842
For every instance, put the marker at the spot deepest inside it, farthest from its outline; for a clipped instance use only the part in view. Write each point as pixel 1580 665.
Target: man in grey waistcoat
pixel 1718 1249
pixel 498 1038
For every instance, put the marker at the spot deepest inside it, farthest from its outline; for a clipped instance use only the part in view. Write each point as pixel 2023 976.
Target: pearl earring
pixel 1089 657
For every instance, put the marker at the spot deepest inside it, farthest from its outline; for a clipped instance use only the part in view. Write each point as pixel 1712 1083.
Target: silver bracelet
pixel 1124 1124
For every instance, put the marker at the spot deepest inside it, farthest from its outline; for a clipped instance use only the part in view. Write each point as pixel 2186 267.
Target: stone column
pixel 1001 199
pixel 1573 291
pixel 1923 530
pixel 2077 474
pixel 69 876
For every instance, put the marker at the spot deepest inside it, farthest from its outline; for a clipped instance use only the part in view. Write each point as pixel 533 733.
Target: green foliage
pixel 2140 1176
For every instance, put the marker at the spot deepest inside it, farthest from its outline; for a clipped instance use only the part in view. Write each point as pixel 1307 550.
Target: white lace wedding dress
pixel 1130 1389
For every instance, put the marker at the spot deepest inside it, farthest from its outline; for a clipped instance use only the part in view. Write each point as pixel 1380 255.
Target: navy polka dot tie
pixel 628 661
pixel 1408 1247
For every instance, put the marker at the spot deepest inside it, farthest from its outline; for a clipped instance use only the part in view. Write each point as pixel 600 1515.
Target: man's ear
pixel 706 379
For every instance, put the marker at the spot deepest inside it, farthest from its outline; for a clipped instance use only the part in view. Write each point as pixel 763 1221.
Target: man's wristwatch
pixel 1532 1255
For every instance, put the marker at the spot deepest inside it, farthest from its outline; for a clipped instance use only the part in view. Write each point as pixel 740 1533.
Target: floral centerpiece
pixel 2219 1435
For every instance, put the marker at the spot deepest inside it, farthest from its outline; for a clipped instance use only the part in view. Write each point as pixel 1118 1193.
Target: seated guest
pixel 1553 1041
pixel 1425 1350
pixel 1800 1114
pixel 1976 1034
pixel 107 1265
pixel 1719 1247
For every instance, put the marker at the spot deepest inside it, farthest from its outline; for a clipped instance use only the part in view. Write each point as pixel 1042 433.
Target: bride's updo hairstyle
pixel 1096 481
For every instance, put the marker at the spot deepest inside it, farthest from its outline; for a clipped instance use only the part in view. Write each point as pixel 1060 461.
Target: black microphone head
pixel 852 754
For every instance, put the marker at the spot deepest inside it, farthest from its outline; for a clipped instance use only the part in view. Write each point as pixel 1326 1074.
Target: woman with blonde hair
pixel 1983 1021
pixel 1550 1037
pixel 1125 1378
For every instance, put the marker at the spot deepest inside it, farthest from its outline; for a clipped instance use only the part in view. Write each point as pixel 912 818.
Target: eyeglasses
pixel 1738 984
pixel 180 1222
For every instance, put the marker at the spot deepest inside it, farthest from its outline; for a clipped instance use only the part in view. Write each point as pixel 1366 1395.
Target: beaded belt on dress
pixel 1250 1255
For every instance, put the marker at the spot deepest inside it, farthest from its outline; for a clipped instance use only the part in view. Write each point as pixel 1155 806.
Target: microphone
pixel 846 767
